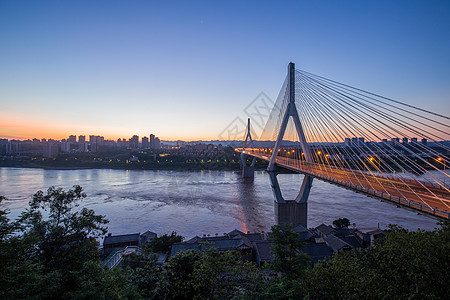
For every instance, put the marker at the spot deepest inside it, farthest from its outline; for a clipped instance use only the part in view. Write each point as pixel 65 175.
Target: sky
pixel 192 70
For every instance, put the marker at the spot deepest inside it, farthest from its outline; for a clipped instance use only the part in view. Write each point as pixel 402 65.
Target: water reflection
pixel 196 203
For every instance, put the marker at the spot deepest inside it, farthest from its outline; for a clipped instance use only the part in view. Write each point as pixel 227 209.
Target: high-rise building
pixel 50 149
pixel 145 143
pixel 81 139
pixel 347 142
pixel 405 140
pixel 395 141
pixel 65 147
pixel 72 139
pixel 424 142
pixel 152 141
pixel 157 143
pixel 361 141
pixel 134 141
pixel 414 141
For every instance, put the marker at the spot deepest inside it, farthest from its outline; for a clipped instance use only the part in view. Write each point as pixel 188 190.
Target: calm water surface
pixel 197 203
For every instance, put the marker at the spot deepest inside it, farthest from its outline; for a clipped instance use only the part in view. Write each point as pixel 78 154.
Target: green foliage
pixel 286 247
pixel 54 257
pixel 164 243
pixel 174 281
pixel 341 223
pixel 224 275
pixel 405 265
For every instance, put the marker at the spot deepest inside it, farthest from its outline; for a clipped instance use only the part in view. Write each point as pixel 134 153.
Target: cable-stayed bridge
pixel 355 139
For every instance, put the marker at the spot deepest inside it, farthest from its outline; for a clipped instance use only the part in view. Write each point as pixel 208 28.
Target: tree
pixel 341 223
pixel 225 275
pixel 404 265
pixel 286 247
pixel 54 257
pixel 174 281
pixel 164 243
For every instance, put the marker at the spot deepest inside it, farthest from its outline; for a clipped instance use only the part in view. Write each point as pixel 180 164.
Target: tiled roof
pixel 264 250
pixel 336 243
pixel 317 251
pixel 125 238
pixel 325 229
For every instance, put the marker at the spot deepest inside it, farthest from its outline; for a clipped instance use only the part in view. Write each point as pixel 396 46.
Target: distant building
pixel 424 142
pixel 157 144
pixel 414 141
pixel 134 141
pixel 65 147
pixel 152 141
pixel 50 149
pixel 395 141
pixel 145 142
pixel 93 147
pixel 361 142
pixel 13 147
pixel 347 142
pixel 384 141
pixel 72 139
pixel 405 140
pixel 83 147
pixel 81 139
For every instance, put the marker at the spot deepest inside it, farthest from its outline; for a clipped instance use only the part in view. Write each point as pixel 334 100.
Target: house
pixel 336 244
pixel 369 236
pixel 147 237
pixel 304 234
pixel 112 242
pixel 262 252
pixel 322 231
pixel 232 241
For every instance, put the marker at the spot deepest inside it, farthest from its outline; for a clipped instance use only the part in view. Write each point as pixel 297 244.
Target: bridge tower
pixel 247 171
pixel 291 211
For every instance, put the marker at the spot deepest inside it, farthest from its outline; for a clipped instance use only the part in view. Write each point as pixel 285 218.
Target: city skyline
pixel 187 71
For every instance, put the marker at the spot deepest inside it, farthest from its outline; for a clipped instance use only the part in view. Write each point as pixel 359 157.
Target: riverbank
pixel 54 164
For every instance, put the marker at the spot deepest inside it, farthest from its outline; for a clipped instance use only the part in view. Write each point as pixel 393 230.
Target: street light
pixel 440 161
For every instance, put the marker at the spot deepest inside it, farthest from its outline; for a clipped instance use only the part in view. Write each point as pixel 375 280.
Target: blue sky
pixel 185 70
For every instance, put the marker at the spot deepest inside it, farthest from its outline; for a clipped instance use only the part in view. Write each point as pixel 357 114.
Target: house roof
pixel 235 233
pixel 336 243
pixel 264 250
pixel 317 251
pixel 352 241
pixel 252 237
pixel 195 239
pixel 325 229
pixel 177 247
pixel 304 233
pixel 221 243
pixel 124 238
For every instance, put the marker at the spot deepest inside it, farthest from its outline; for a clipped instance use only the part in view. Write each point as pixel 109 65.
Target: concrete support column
pixel 248 171
pixel 292 212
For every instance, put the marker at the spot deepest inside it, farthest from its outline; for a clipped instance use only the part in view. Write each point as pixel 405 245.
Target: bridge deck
pixel 424 198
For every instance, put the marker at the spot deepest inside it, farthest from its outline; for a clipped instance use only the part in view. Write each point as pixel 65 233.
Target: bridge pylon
pixel 290 211
pixel 247 171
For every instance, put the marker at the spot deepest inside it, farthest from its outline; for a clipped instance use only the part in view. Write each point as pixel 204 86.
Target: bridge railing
pixel 322 172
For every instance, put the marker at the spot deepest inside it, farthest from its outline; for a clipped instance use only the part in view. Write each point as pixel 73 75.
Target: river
pixel 199 202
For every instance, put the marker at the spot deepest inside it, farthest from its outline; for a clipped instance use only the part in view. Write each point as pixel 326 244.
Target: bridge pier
pixel 291 212
pixel 248 172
